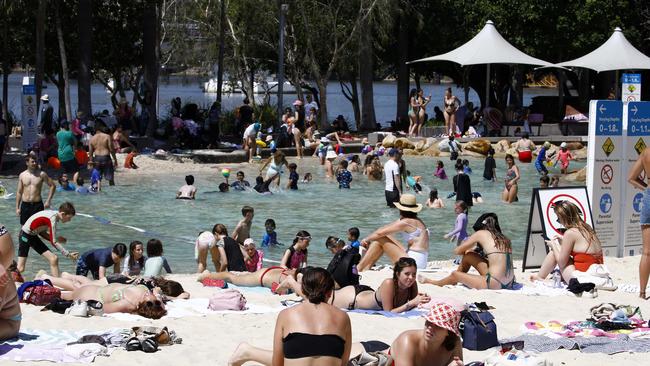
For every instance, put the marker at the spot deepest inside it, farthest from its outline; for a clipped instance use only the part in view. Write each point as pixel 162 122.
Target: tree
pixel 64 61
pixel 84 77
pixel 40 48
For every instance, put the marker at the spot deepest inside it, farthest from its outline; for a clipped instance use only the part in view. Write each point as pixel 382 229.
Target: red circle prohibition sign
pixel 606 174
pixel 568 198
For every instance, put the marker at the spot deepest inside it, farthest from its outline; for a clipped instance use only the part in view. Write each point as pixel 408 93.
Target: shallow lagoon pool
pixel 146 203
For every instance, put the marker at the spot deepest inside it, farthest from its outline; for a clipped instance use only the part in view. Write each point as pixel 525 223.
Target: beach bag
pixel 371 359
pixel 343 267
pixel 478 330
pixel 38 292
pixel 227 300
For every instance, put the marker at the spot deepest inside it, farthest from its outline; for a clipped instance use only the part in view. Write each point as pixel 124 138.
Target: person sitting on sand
pixel 415 235
pixel 168 289
pixel 133 264
pixel 495 266
pixel 231 255
pixel 119 298
pixel 438 343
pixel 10 313
pixel 310 333
pixel 343 266
pixel 296 256
pixel 577 249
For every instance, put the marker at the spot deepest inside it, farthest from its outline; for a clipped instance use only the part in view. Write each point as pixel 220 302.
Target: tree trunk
pixel 322 90
pixel 351 93
pixel 5 69
pixel 151 51
pixel 222 43
pixel 40 49
pixel 403 73
pixel 85 57
pixel 366 76
pixel 64 63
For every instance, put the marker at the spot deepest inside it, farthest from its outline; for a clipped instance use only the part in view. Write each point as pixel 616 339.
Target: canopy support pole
pixel 487 86
pixel 466 71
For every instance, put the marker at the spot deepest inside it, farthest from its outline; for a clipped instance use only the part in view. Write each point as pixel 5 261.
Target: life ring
pixel 526 156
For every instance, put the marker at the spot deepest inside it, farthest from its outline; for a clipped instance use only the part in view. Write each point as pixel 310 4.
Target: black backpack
pixel 342 267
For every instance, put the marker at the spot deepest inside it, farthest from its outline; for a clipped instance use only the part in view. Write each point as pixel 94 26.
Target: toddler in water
pixel 440 171
pixel 254 257
pixel 293 177
pixel 460 230
pixel 155 262
pixel 434 201
pixel 353 237
pixel 354 163
pixel 188 191
pixel 95 177
pixel 413 182
pixel 343 175
pixel 307 178
pixel 564 157
pixel 466 168
pixel 544 181
pixel 270 237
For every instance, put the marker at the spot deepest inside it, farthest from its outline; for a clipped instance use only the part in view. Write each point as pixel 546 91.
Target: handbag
pixel 478 329
pixel 229 299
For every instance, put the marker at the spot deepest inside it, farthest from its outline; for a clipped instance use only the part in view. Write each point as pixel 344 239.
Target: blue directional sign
pixel 636 202
pixel 631 78
pixel 638 119
pixel 605 203
pixel 609 118
pixel 29 89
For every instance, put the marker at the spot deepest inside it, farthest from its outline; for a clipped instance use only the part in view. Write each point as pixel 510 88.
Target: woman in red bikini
pixel 272 277
pixel 577 249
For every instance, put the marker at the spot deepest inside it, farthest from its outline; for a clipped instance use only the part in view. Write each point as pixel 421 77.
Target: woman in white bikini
pixel 414 234
pixel 451 105
pixel 276 164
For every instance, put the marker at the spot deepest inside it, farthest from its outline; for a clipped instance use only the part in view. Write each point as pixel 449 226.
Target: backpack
pixel 343 267
pixel 38 292
pixel 229 299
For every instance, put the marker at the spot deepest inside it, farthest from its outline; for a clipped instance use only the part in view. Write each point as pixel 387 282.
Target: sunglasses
pixel 518 345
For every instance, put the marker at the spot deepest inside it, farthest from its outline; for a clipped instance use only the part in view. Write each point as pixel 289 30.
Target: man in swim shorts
pixel 393 188
pixel 28 193
pixel 101 150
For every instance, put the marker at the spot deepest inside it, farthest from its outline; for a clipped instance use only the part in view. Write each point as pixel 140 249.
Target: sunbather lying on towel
pixel 272 277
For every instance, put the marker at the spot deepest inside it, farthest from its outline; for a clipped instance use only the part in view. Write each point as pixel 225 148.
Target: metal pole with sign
pixel 604 174
pixel 631 88
pixel 637 138
pixel 28 116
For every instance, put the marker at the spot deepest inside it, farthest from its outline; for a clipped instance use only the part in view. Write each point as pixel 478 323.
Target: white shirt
pixel 250 131
pixel 186 191
pixel 311 105
pixel 391 168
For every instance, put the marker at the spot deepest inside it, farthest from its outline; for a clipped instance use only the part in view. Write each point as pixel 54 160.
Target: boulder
pixel 420 145
pixel 501 146
pixel 404 143
pixel 444 145
pixel 574 145
pixel 472 153
pixel 431 151
pixel 410 152
pixel 577 176
pixel 388 141
pixel 580 154
pixel 480 146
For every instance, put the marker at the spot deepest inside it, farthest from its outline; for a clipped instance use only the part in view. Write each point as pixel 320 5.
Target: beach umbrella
pixel 487 47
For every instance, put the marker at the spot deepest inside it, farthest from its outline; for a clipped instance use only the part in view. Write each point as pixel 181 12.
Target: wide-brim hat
pixel 563 144
pixel 444 316
pixel 45 97
pixel 408 203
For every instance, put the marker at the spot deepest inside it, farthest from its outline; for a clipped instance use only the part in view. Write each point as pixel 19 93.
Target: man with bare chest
pixel 28 193
pixel 101 151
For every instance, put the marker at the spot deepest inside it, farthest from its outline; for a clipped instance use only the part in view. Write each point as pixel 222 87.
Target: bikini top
pixel 413 234
pixel 299 345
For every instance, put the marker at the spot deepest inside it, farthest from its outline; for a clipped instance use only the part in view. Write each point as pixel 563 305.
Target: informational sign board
pixel 605 171
pixel 543 223
pixel 28 117
pixel 631 88
pixel 637 138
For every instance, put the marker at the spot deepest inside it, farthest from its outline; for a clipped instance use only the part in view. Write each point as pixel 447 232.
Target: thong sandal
pixel 133 344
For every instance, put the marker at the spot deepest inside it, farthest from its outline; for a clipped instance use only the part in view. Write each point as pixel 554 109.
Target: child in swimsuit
pixel 460 230
pixel 440 170
pixel 564 157
pixel 155 262
pixel 255 257
pixel 270 237
pixel 413 182
pixel 434 201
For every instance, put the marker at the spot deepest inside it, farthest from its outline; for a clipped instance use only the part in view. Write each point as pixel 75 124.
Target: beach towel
pixel 605 345
pixel 195 307
pixel 582 329
pixel 414 313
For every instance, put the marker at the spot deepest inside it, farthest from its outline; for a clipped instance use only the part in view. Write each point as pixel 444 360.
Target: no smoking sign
pixel 606 174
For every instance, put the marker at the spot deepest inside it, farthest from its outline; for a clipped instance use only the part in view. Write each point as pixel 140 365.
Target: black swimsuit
pixel 299 345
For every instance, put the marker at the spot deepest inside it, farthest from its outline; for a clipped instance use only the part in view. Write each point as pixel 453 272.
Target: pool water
pixel 146 203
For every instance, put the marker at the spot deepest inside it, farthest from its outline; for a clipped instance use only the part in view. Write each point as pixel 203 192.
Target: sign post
pixel 28 117
pixel 631 88
pixel 637 138
pixel 604 171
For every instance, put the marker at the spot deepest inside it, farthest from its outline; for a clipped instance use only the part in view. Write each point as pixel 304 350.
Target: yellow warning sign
pixel 608 146
pixel 639 146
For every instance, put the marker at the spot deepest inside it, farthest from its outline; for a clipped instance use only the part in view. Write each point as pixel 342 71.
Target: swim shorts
pixel 27 241
pixel 105 166
pixel 645 208
pixel 82 269
pixel 27 209
pixel 392 197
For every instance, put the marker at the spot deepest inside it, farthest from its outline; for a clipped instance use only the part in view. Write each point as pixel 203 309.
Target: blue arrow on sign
pixel 638 119
pixel 609 118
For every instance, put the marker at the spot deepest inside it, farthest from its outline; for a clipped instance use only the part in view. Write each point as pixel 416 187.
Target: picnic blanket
pixel 52 345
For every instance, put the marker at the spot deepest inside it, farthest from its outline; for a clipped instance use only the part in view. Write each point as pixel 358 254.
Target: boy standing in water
pixel 490 170
pixel 43 224
pixel 343 175
pixel 243 229
pixel 293 177
pixel 270 237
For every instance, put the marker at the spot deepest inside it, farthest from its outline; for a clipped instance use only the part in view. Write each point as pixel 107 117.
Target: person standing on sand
pixel 101 150
pixel 642 165
pixel 28 193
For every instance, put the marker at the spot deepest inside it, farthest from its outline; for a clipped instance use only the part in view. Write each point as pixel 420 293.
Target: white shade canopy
pixel 617 53
pixel 487 47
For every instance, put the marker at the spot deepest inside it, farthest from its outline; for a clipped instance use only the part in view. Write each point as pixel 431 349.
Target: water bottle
pixel 557 279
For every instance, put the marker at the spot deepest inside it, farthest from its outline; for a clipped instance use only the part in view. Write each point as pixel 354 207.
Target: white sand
pixel 211 339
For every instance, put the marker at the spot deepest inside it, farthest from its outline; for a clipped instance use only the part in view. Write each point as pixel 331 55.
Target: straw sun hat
pixel 408 203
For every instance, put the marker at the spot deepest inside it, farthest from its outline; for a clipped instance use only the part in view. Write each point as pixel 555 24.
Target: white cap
pixel 563 144
pixel 45 97
pixel 249 241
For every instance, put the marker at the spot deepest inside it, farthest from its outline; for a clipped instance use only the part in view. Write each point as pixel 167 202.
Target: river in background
pixel 189 90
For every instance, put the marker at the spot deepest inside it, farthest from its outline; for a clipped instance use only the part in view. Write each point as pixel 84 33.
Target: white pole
pixel 487 87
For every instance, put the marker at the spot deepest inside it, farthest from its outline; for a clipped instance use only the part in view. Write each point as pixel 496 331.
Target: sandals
pixel 133 344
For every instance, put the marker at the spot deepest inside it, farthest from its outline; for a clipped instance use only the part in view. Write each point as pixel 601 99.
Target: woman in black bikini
pixel 414 111
pixel 451 105
pixel 310 331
